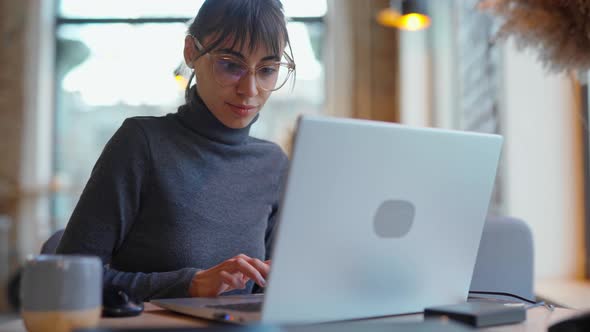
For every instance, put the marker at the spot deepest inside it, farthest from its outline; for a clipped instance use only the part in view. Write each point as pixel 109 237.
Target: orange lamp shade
pixel 388 17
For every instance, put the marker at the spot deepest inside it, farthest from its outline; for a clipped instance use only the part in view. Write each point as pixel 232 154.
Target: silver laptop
pixel 376 219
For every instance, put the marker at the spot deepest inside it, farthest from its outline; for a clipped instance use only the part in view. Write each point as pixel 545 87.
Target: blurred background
pixel 72 70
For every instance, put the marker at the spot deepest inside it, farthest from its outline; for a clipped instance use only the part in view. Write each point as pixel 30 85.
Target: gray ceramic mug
pixel 61 292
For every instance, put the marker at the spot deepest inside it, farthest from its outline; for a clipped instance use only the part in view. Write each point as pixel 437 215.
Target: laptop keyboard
pixel 247 306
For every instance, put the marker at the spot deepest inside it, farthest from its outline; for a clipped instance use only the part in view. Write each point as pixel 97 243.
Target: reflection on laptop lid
pixel 376 219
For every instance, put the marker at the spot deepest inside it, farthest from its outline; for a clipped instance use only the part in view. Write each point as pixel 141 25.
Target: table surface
pixel 572 293
pixel 538 319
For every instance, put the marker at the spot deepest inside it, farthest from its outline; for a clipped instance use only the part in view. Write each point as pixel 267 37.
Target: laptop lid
pixel 378 219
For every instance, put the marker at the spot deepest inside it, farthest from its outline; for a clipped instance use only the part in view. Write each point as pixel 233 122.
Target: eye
pixel 230 66
pixel 268 70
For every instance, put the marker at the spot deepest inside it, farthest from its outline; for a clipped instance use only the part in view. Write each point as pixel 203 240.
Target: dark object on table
pixel 480 314
pixel 117 303
pixel 13 289
pixel 574 324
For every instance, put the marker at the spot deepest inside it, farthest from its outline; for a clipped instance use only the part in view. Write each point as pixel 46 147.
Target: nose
pixel 247 85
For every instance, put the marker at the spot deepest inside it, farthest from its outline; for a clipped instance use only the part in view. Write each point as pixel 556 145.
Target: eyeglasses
pixel 229 70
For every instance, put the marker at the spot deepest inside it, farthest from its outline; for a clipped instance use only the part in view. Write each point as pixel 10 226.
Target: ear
pixel 190 51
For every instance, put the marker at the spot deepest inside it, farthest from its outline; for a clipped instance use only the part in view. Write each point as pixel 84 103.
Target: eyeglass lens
pixel 269 76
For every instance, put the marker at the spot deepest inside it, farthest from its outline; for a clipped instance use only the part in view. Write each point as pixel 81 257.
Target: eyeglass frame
pixel 290 65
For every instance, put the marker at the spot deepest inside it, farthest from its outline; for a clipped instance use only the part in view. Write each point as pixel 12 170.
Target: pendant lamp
pixel 407 15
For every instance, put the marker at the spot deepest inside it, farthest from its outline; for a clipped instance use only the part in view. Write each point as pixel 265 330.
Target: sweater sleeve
pixel 107 209
pixel 146 286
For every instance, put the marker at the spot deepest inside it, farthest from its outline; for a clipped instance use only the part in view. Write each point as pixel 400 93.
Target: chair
pixel 50 246
pixel 505 258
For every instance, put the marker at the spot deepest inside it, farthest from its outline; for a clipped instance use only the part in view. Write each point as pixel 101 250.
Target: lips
pixel 242 110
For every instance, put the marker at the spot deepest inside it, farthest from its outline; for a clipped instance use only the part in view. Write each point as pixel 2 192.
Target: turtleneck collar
pixel 196 116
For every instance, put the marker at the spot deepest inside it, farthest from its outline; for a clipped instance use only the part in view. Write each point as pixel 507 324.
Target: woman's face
pixel 233 105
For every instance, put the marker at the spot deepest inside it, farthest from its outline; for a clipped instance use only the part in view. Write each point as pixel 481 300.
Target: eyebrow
pixel 241 56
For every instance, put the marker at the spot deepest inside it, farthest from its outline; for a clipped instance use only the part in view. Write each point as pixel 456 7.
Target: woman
pixel 185 204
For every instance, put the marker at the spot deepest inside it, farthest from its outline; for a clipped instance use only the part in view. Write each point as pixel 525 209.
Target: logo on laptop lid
pixel 394 218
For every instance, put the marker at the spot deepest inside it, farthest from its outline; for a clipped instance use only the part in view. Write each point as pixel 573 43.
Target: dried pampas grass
pixel 559 30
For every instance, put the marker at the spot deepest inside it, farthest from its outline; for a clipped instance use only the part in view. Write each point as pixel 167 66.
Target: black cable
pixel 532 304
pixel 504 294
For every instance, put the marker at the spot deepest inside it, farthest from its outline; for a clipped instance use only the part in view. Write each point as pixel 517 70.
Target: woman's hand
pixel 229 275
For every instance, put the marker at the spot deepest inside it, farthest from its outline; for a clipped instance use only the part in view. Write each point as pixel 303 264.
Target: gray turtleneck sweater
pixel 175 194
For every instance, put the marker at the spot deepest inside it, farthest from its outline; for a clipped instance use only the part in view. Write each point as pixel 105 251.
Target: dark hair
pixel 241 21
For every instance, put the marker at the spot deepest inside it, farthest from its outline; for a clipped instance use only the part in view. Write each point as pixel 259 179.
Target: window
pixel 117 59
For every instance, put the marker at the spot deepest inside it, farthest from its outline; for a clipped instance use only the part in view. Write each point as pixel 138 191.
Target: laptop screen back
pixel 378 219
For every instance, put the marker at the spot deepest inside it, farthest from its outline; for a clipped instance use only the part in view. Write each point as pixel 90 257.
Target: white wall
pixel 544 162
pixel 427 71
pixel 445 91
pixel 415 71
